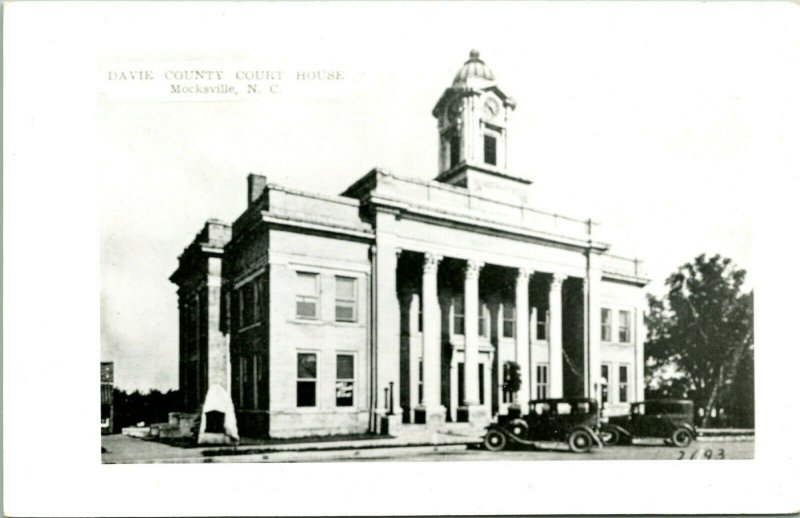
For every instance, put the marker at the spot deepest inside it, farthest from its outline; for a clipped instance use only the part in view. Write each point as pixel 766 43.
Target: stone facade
pixel 404 300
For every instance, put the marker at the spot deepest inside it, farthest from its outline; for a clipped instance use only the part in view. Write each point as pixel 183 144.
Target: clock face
pixel 491 108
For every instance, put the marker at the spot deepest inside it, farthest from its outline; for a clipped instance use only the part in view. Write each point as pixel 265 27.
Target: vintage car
pixel 574 421
pixel 670 419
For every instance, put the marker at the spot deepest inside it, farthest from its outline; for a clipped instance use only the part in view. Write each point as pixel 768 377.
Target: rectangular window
pixel 509 317
pixel 306 379
pixel 455 150
pixel 606 382
pixel 623 383
pixel 244 382
pixel 307 295
pixel 541 325
pixel 481 398
pixel 490 149
pixel 483 322
pixel 605 324
pixel 420 384
pixel 198 318
pixel 541 381
pixel 419 317
pixel 345 379
pixel 248 291
pixel 259 400
pixel 458 315
pixel 346 306
pixel 240 313
pixel 624 326
pixel 256 301
pixel 460 374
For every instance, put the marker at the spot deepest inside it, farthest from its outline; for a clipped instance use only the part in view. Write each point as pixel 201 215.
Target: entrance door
pixel 481 384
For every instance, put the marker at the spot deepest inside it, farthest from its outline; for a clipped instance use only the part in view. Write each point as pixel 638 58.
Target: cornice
pixel 410 211
pixel 270 218
pixel 625 279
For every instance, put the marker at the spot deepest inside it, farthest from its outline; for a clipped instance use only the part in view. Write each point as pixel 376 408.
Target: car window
pixel 582 408
pixel 638 409
pixel 563 408
pixel 674 408
pixel 541 408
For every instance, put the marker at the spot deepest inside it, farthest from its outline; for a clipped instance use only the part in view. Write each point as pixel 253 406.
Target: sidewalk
pixel 124 449
pixel 406 436
pixel 725 434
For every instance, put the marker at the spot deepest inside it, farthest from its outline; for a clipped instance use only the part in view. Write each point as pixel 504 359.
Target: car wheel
pixel 610 437
pixel 494 440
pixel 681 437
pixel 580 441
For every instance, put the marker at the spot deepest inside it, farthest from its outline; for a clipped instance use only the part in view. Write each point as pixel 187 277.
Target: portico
pixel 461 320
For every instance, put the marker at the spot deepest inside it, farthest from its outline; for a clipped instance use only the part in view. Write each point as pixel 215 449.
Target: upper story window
pixel 346 299
pixel 625 326
pixel 307 298
pixel 490 149
pixel 256 300
pixel 455 149
pixel 483 321
pixel 458 315
pixel 248 300
pixel 240 308
pixel 198 317
pixel 605 324
pixel 509 319
pixel 541 325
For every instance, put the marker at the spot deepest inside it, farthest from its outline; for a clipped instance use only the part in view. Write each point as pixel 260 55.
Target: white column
pixel 431 341
pixel 413 351
pixel 641 336
pixel 522 333
pixel 556 360
pixel 593 387
pixel 388 326
pixel 471 274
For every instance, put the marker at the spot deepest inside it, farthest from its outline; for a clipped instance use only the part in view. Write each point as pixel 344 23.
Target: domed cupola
pixel 473 116
pixel 474 73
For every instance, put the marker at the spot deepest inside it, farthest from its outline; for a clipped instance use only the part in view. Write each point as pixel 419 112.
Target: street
pixel 122 449
pixel 697 451
pixel 701 450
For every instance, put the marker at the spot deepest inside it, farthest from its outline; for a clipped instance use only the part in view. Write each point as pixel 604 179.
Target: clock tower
pixel 473 117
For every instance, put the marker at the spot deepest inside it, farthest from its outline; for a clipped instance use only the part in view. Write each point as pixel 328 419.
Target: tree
pixel 699 332
pixel 152 407
pixel 512 378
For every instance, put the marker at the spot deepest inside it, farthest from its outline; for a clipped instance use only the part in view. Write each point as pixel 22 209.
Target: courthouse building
pixel 404 301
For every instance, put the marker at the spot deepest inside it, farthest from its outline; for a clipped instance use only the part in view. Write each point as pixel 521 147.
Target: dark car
pixel 574 421
pixel 670 419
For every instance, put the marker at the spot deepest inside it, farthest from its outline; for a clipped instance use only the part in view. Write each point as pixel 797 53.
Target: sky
pixel 658 120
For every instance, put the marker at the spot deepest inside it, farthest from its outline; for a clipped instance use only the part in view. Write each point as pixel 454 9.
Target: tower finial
pixel 474 54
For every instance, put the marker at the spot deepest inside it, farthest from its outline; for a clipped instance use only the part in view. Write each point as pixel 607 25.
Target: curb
pixel 722 432
pixel 220 452
pixel 291 455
